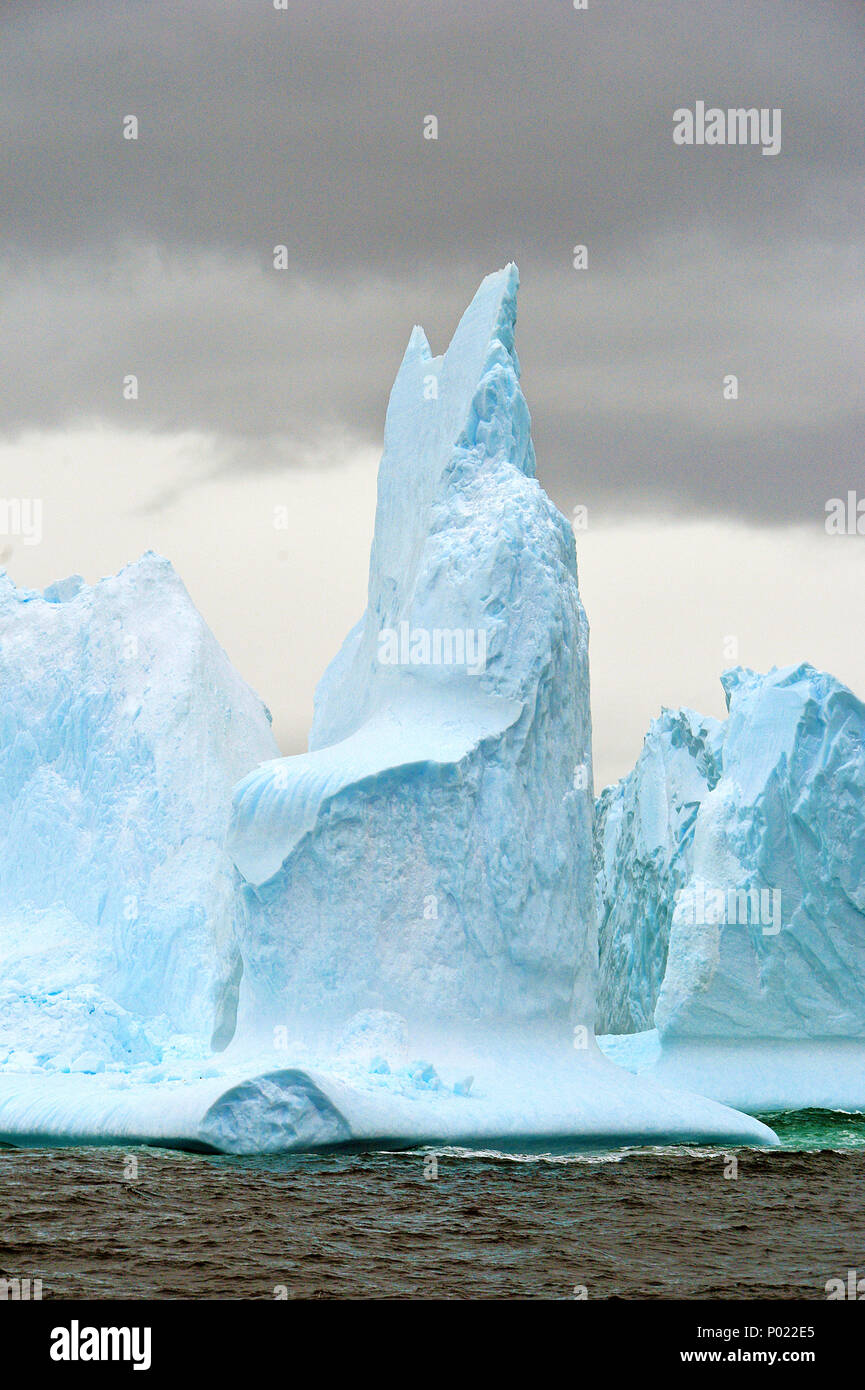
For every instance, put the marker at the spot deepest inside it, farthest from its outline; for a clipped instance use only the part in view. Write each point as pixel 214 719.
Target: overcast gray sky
pixel 304 127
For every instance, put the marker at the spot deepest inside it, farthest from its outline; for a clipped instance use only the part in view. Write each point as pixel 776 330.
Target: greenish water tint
pixel 818 1129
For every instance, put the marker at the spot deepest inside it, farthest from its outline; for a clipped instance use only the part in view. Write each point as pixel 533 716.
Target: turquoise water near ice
pixel 818 1129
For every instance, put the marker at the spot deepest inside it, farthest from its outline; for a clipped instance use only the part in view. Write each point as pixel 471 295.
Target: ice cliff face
pixel 731 869
pixel 644 836
pixel 431 854
pixel 122 729
pixel 768 936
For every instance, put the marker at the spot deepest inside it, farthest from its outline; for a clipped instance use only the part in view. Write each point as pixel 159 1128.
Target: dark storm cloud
pixel 304 127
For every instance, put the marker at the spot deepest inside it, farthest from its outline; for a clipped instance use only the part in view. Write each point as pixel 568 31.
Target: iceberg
pixel 123 728
pixel 440 778
pixel 389 939
pixel 760 911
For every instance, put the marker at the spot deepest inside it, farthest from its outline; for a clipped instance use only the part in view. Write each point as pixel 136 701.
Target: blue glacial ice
pixel 644 831
pixel 433 787
pixel 391 938
pixel 757 914
pixel 123 727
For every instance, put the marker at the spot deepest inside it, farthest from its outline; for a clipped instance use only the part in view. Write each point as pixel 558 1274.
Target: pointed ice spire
pixel 490 318
pixel 418 348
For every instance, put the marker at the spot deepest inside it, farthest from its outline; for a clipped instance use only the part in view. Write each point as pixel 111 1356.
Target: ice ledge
pixel 757 1075
pixel 279 802
pixel 560 1098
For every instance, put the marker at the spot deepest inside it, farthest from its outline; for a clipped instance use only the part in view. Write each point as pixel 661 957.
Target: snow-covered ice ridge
pixel 406 950
pixel 732 897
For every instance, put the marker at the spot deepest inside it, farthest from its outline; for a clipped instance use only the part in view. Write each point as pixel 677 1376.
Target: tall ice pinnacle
pixel 431 854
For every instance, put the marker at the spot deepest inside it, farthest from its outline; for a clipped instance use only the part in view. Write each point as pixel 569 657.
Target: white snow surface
pixel 295 1100
pixel 763 1076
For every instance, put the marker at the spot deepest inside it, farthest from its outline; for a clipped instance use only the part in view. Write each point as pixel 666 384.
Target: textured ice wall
pixel 123 727
pixel 731 869
pixel 431 854
pixel 768 937
pixel 644 834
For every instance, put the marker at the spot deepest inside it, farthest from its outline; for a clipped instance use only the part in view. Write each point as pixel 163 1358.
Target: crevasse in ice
pixel 644 832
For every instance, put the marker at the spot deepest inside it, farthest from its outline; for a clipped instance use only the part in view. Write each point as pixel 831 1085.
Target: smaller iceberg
pixel 757 910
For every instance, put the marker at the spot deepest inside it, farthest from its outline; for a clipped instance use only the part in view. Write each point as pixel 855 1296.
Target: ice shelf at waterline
pixel 731 887
pixel 407 951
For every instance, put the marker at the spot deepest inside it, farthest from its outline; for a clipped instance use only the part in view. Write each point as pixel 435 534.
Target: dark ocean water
pixel 633 1223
